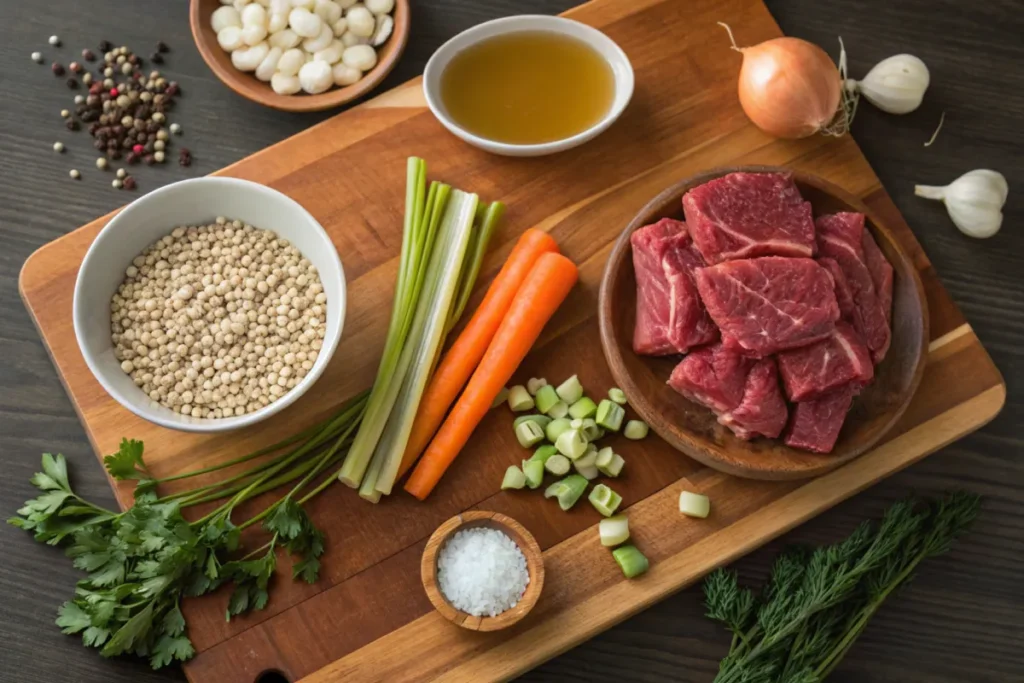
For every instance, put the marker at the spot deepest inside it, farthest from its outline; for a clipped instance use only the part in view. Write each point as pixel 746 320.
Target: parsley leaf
pixel 127 462
pixel 72 618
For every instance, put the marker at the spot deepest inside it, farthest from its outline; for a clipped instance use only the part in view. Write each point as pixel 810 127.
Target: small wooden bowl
pixel 249 87
pixel 492 520
pixel 692 428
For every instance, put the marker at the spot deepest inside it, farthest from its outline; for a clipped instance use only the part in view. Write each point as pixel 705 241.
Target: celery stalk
pixel 471 269
pixel 614 530
pixel 567 491
pixel 630 560
pixel 428 331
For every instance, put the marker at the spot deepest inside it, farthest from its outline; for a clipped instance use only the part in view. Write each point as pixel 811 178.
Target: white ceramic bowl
pixel 152 216
pixel 605 46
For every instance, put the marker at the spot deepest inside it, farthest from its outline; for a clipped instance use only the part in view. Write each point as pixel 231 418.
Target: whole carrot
pixel 465 354
pixel 544 290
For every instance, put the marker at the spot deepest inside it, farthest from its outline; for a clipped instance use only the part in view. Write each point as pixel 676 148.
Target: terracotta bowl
pixel 492 520
pixel 249 87
pixel 692 428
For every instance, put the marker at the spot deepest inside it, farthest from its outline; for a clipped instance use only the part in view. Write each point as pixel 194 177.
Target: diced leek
pixel 631 561
pixel 614 530
pixel 570 390
pixel 635 430
pixel 543 453
pixel 555 428
pixel 500 398
pixel 588 459
pixel 568 490
pixel 557 465
pixel 541 420
pixel 571 444
pixel 617 395
pixel 610 415
pixel 545 398
pixel 514 478
pixel 590 430
pixel 694 504
pixel 529 434
pixel 533 470
pixel 534 385
pixel 585 407
pixel 609 462
pixel 519 399
pixel 559 410
pixel 590 472
pixel 604 500
pixel 576 423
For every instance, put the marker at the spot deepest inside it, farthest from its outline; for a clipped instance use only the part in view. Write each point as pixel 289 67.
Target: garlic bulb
pixel 974 201
pixel 895 85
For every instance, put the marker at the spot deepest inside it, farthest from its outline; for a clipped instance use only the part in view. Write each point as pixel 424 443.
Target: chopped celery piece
pixel 519 399
pixel 500 398
pixel 609 462
pixel 533 470
pixel 559 410
pixel 514 478
pixel 543 453
pixel 541 420
pixel 534 385
pixel 557 464
pixel 604 500
pixel 529 434
pixel 576 423
pixel 617 395
pixel 588 459
pixel 590 472
pixel 631 561
pixel 614 530
pixel 571 444
pixel 570 390
pixel 568 490
pixel 545 398
pixel 590 430
pixel 610 414
pixel 555 428
pixel 635 430
pixel 694 504
pixel 585 407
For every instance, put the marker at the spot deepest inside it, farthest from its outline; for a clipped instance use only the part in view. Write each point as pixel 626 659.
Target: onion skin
pixel 788 87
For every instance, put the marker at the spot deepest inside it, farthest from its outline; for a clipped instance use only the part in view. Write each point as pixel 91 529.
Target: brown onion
pixel 788 87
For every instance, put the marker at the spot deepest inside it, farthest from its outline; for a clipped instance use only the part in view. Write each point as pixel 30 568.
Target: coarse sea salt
pixel 482 572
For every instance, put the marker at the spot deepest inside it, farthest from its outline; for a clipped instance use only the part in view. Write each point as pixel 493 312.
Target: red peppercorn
pixel 129 183
pixel 137 149
pixel 95 89
pixel 76 67
pixel 88 55
pixel 57 69
pixel 114 92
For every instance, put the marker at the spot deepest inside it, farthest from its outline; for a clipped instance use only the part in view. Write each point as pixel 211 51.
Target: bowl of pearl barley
pixel 209 304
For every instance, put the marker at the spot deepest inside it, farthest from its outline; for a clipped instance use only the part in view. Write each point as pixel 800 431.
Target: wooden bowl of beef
pixel 785 333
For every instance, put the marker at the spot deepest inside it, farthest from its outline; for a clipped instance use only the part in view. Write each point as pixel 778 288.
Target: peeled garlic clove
pixel 974 201
pixel 304 22
pixel 230 38
pixel 328 11
pixel 346 75
pixel 349 39
pixel 247 59
pixel 340 27
pixel 321 42
pixel 380 6
pixel 362 57
pixel 265 71
pixel 316 77
pixel 285 39
pixel 895 85
pixel 361 22
pixel 285 85
pixel 278 22
pixel 385 25
pixel 291 61
pixel 225 16
pixel 331 54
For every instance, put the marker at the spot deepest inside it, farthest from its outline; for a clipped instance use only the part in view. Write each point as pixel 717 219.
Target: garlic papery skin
pixel 974 201
pixel 895 85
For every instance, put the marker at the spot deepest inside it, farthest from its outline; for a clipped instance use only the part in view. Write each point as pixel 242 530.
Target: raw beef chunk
pixel 769 304
pixel 842 288
pixel 841 237
pixel 815 424
pixel 881 273
pixel 762 411
pixel 749 214
pixel 713 376
pixel 670 317
pixel 812 371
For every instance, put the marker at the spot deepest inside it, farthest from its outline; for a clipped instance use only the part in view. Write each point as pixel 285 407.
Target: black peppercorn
pixel 72 83
pixel 149 160
pixel 115 154
pixel 172 89
pixel 57 69
pixel 162 47
pixel 156 58
pixel 88 55
pixel 132 158
pixel 148 147
pixel 105 46
pixel 129 183
pixel 185 157
pixel 72 124
pixel 99 144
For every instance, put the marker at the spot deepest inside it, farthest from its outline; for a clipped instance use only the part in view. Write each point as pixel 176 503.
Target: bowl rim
pixel 205 425
pixel 475 34
pixel 334 97
pixel 482 518
pixel 643 406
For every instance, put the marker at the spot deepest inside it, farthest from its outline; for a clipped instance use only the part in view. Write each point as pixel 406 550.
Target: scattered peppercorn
pixel 105 46
pixel 57 69
pixel 156 58
pixel 72 83
pixel 58 147
pixel 55 41
pixel 76 67
pixel 79 99
pixel 75 175
pixel 129 183
pixel 162 47
pixel 132 158
pixel 88 55
pixel 87 78
pixel 72 124
pixel 116 183
pixel 159 156
pixel 148 160
pixel 37 57
pixel 65 114
pixel 185 157
pixel 121 173
pixel 101 163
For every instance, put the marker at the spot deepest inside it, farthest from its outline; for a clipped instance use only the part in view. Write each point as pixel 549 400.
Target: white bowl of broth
pixel 528 85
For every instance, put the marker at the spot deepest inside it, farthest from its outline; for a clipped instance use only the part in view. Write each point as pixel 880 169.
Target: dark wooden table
pixel 962 618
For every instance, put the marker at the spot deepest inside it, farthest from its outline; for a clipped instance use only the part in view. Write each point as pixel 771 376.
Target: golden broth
pixel 527 87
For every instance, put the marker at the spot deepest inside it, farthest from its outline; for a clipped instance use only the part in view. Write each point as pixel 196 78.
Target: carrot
pixel 465 354
pixel 545 288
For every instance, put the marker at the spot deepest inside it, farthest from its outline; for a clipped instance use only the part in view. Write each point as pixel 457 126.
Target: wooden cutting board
pixel 367 619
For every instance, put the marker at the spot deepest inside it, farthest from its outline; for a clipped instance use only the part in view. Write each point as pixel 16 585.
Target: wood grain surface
pixel 694 429
pixel 958 621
